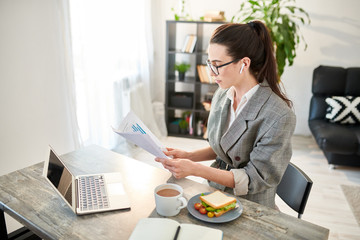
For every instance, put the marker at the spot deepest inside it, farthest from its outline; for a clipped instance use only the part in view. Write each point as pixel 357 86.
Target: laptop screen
pixel 60 177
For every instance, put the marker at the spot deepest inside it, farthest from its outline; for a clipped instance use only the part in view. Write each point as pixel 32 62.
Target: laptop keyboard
pixel 93 194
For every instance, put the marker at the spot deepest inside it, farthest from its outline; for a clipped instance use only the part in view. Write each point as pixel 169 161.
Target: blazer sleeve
pixel 271 155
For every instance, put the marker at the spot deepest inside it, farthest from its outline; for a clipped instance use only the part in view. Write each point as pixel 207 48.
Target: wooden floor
pixel 327 205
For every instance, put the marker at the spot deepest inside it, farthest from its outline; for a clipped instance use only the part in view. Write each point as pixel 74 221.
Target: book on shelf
pixel 191 124
pixel 193 43
pixel 204 74
pixel 187 38
pixel 201 77
pixel 166 228
pixel 189 44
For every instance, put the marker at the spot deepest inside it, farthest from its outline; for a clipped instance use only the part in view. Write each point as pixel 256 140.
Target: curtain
pixel 68 73
pixel 112 52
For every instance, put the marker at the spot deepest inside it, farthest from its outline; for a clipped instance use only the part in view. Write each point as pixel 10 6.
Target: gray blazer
pixel 258 141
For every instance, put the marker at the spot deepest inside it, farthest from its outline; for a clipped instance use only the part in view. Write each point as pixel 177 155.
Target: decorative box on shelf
pixel 174 127
pixel 181 99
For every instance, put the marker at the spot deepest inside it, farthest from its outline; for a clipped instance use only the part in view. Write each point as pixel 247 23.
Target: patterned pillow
pixel 343 110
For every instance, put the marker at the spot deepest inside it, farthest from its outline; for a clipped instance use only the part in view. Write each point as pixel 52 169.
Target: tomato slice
pixel 197 206
pixel 202 210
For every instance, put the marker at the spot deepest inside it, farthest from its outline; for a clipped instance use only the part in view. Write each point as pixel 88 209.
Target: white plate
pixel 227 217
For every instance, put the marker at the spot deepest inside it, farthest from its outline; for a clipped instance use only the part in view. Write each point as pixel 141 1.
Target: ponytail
pixel 252 40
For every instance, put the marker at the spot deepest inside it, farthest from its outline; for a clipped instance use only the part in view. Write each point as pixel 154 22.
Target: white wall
pixel 333 38
pixel 33 103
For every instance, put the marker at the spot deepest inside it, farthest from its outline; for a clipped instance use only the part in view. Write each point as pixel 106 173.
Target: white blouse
pixel 231 95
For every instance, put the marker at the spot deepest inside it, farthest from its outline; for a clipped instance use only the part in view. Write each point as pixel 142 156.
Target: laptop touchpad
pixel 115 189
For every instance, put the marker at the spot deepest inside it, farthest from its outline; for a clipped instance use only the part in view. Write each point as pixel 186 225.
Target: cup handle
pixel 183 202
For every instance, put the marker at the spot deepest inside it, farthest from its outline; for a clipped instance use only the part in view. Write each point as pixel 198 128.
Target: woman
pixel 250 123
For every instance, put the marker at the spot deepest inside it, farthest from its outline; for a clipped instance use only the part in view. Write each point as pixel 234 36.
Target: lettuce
pixel 232 205
pixel 211 209
pixel 204 204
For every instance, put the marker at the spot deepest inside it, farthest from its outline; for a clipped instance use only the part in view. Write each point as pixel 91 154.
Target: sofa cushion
pixel 336 138
pixel 329 81
pixel 343 109
pixel 352 82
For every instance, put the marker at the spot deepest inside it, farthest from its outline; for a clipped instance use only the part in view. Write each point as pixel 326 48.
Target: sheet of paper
pixel 134 130
pixel 165 229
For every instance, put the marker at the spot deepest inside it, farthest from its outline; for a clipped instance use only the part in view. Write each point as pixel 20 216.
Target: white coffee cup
pixel 169 199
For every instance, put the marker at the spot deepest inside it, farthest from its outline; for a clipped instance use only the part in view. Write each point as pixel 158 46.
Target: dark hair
pixel 252 40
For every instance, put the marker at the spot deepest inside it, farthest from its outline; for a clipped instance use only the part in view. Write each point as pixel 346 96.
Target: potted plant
pixel 182 68
pixel 184 125
pixel 282 19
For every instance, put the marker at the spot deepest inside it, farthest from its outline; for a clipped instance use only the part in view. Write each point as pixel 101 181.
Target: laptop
pixel 85 193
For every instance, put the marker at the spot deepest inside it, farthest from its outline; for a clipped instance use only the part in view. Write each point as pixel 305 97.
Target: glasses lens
pixel 212 67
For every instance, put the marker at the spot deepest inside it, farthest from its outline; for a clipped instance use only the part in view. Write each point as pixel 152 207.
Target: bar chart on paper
pixel 134 130
pixel 137 128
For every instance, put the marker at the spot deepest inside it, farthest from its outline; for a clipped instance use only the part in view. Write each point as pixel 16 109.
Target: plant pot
pixel 181 76
pixel 183 131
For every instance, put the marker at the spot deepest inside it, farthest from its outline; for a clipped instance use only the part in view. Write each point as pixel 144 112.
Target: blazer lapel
pixel 217 124
pixel 248 113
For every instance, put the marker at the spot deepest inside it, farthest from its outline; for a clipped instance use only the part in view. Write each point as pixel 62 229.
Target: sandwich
pixel 218 203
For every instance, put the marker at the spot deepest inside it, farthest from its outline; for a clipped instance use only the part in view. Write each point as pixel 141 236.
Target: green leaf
pixel 204 204
pixel 254 3
pixel 232 205
pixel 182 67
pixel 280 58
pixel 210 209
pixel 246 20
pixel 291 8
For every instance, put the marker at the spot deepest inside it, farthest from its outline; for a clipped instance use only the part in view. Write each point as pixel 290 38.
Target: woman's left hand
pixel 180 168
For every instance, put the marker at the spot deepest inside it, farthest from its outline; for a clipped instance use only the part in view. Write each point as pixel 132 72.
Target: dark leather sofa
pixel 339 142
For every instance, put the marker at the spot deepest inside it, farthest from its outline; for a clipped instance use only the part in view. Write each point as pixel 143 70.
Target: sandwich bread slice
pixel 219 202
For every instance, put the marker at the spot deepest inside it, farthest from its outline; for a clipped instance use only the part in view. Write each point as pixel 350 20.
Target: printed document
pixel 134 130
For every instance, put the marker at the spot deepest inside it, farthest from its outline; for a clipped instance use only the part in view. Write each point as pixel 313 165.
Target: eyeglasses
pixel 215 69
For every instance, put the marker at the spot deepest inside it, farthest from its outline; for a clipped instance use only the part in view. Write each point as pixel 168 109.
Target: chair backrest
pixel 294 188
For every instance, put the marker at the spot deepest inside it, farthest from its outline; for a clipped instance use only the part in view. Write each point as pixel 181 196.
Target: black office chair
pixel 294 188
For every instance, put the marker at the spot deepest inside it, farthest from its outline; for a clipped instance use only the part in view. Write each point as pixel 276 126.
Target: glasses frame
pixel 215 69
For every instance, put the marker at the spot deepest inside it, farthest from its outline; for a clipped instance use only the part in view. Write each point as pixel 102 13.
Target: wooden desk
pixel 256 221
pixel 26 196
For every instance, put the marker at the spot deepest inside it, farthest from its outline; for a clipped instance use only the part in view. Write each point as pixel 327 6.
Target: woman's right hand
pixel 177 153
